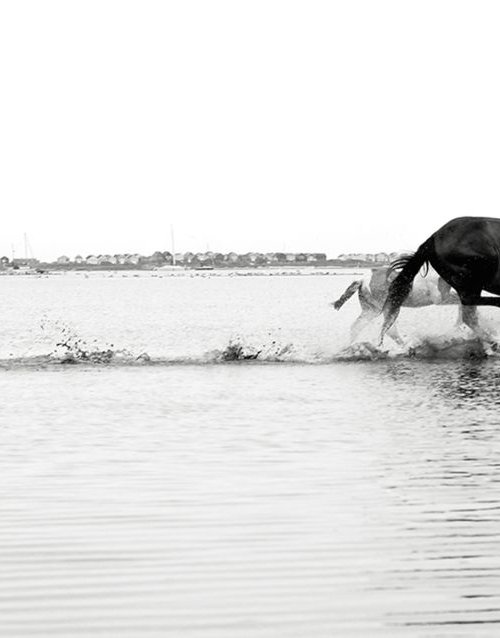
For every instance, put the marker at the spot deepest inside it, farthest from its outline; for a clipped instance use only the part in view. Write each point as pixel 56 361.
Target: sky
pixel 245 125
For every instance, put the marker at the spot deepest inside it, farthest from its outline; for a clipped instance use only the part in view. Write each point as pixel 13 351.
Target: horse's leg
pixel 399 289
pixel 395 336
pixel 369 311
pixel 469 317
pixel 347 294
pixel 469 313
pixel 448 295
pixel 367 316
pixel 444 289
pixel 390 317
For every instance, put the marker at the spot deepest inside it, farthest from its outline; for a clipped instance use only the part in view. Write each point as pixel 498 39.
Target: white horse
pixel 372 293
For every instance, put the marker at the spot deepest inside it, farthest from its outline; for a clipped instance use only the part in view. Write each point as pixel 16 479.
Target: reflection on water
pixel 472 384
pixel 242 498
pixel 449 477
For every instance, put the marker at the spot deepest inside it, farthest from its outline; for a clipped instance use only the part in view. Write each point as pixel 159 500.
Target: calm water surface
pixel 153 489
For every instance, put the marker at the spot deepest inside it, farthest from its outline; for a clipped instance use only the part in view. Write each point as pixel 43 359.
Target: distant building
pixel 29 262
pixel 201 258
pixel 251 258
pixel 398 254
pixel 126 258
pixel 106 259
pixel 353 257
pixel 314 258
pixel 63 260
pixel 158 258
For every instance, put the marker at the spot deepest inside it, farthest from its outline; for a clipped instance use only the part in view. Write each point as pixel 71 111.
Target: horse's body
pixel 373 289
pixel 466 254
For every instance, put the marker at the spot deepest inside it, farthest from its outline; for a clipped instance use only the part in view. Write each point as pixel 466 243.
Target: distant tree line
pixel 204 259
pixel 189 259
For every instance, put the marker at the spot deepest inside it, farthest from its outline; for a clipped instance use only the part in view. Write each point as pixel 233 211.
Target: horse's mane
pixel 401 262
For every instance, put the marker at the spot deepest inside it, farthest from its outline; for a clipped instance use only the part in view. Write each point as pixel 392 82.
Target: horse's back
pixel 463 235
pixel 466 253
pixel 425 290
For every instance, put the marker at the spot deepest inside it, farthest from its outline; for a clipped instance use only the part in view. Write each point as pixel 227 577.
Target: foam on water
pixel 425 348
pixel 72 349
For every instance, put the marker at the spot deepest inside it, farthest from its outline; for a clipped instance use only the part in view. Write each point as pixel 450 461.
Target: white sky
pixel 248 125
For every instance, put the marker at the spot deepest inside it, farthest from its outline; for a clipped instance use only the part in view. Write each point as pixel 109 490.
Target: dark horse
pixel 466 254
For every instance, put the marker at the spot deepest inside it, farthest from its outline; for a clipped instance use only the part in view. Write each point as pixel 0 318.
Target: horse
pixel 373 289
pixel 465 252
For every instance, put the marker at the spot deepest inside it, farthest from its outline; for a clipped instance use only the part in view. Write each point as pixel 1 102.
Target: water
pixel 150 487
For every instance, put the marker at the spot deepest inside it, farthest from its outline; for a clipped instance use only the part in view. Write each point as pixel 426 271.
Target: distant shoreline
pixel 265 271
pixel 329 265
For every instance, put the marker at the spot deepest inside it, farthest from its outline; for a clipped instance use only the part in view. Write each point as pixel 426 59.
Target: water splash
pixel 423 348
pixel 65 344
pixel 363 351
pixel 71 348
pixel 452 348
pixel 238 349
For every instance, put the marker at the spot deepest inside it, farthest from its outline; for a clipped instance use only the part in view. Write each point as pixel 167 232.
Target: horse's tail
pixel 400 263
pixel 401 286
pixel 347 294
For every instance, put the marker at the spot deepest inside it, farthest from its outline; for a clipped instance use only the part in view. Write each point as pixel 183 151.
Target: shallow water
pixel 151 488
